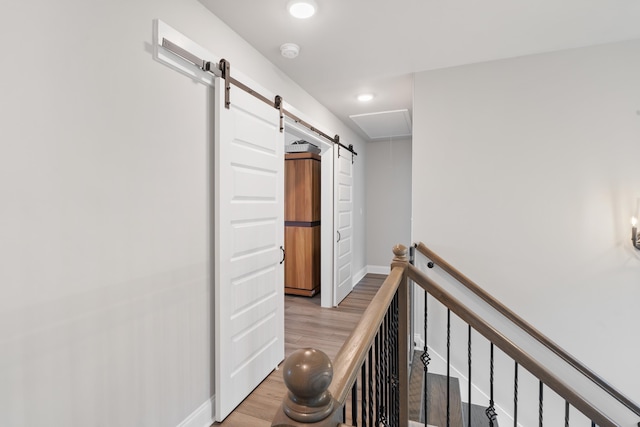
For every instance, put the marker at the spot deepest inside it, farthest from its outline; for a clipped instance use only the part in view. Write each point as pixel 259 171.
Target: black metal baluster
pixel 392 363
pixel 378 376
pixel 515 396
pixel 391 405
pixel 425 362
pixel 383 383
pixel 491 410
pixel 385 373
pixel 395 363
pixel 469 384
pixel 448 367
pixel 387 383
pixel 389 373
pixel 398 361
pixel 566 414
pixel 354 404
pixel 370 371
pixel 363 395
pixel 396 352
pixel 397 318
pixel 540 408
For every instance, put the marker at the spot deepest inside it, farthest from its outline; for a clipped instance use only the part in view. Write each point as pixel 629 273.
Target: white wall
pixel 528 172
pixel 105 314
pixel 388 175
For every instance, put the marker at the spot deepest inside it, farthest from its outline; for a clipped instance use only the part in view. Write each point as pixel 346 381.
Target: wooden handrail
pixel 528 328
pixel 508 347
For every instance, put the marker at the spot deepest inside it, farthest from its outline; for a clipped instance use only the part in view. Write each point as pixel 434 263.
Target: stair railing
pixel 371 367
pixel 525 326
pixel 522 359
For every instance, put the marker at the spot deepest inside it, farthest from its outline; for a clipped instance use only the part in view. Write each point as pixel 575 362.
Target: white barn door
pixel 343 222
pixel 248 235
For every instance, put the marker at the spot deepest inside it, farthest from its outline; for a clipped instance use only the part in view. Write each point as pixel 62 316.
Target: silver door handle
pixel 283 255
pixel 339 236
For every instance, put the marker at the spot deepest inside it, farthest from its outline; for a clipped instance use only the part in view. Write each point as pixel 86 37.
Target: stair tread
pixel 436 397
pixel 416 387
pixel 437 401
pixel 478 416
pixel 438 385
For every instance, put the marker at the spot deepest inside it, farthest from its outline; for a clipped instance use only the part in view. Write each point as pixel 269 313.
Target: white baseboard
pixel 418 341
pixel 358 276
pixel 378 269
pixel 201 417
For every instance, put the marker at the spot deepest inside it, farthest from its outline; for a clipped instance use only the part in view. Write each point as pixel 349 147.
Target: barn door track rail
pixel 223 70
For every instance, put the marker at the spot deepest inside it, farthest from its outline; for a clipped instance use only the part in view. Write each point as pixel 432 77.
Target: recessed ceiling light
pixel 302 9
pixel 365 97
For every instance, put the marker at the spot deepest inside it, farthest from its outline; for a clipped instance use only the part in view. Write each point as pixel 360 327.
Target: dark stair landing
pixel 437 400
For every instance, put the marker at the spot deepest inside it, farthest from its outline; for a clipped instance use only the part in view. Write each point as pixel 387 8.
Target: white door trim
pixel 326 206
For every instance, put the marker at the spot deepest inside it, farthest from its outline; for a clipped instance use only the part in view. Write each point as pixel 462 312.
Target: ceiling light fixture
pixel 289 50
pixel 302 9
pixel 365 97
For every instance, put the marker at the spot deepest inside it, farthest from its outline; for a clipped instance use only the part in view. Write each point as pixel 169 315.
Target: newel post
pixel 307 373
pixel 400 256
pixel 400 259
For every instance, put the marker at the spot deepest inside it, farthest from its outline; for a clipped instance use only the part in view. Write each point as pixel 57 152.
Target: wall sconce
pixel 634 232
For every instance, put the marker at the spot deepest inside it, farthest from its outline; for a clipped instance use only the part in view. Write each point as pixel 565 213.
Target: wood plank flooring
pixel 306 325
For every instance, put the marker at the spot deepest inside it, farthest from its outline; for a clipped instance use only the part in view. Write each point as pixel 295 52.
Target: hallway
pixel 306 325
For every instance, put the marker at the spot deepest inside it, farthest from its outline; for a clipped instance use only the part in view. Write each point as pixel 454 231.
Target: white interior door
pixel 249 235
pixel 343 222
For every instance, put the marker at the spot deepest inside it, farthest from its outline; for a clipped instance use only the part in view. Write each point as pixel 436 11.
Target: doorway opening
pixel 294 132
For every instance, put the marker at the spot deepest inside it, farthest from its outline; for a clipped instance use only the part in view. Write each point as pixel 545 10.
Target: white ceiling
pixel 353 46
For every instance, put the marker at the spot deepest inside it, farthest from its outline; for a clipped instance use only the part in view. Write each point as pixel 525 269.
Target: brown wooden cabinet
pixel 302 224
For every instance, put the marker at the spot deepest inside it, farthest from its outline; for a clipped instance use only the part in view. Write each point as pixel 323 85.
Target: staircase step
pixel 436 397
pixel 478 416
pixel 437 401
pixel 416 388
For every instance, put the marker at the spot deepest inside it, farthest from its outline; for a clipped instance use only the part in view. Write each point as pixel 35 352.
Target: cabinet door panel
pixel 302 264
pixel 302 187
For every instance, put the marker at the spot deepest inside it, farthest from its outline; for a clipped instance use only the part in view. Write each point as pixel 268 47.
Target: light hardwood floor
pixel 306 325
